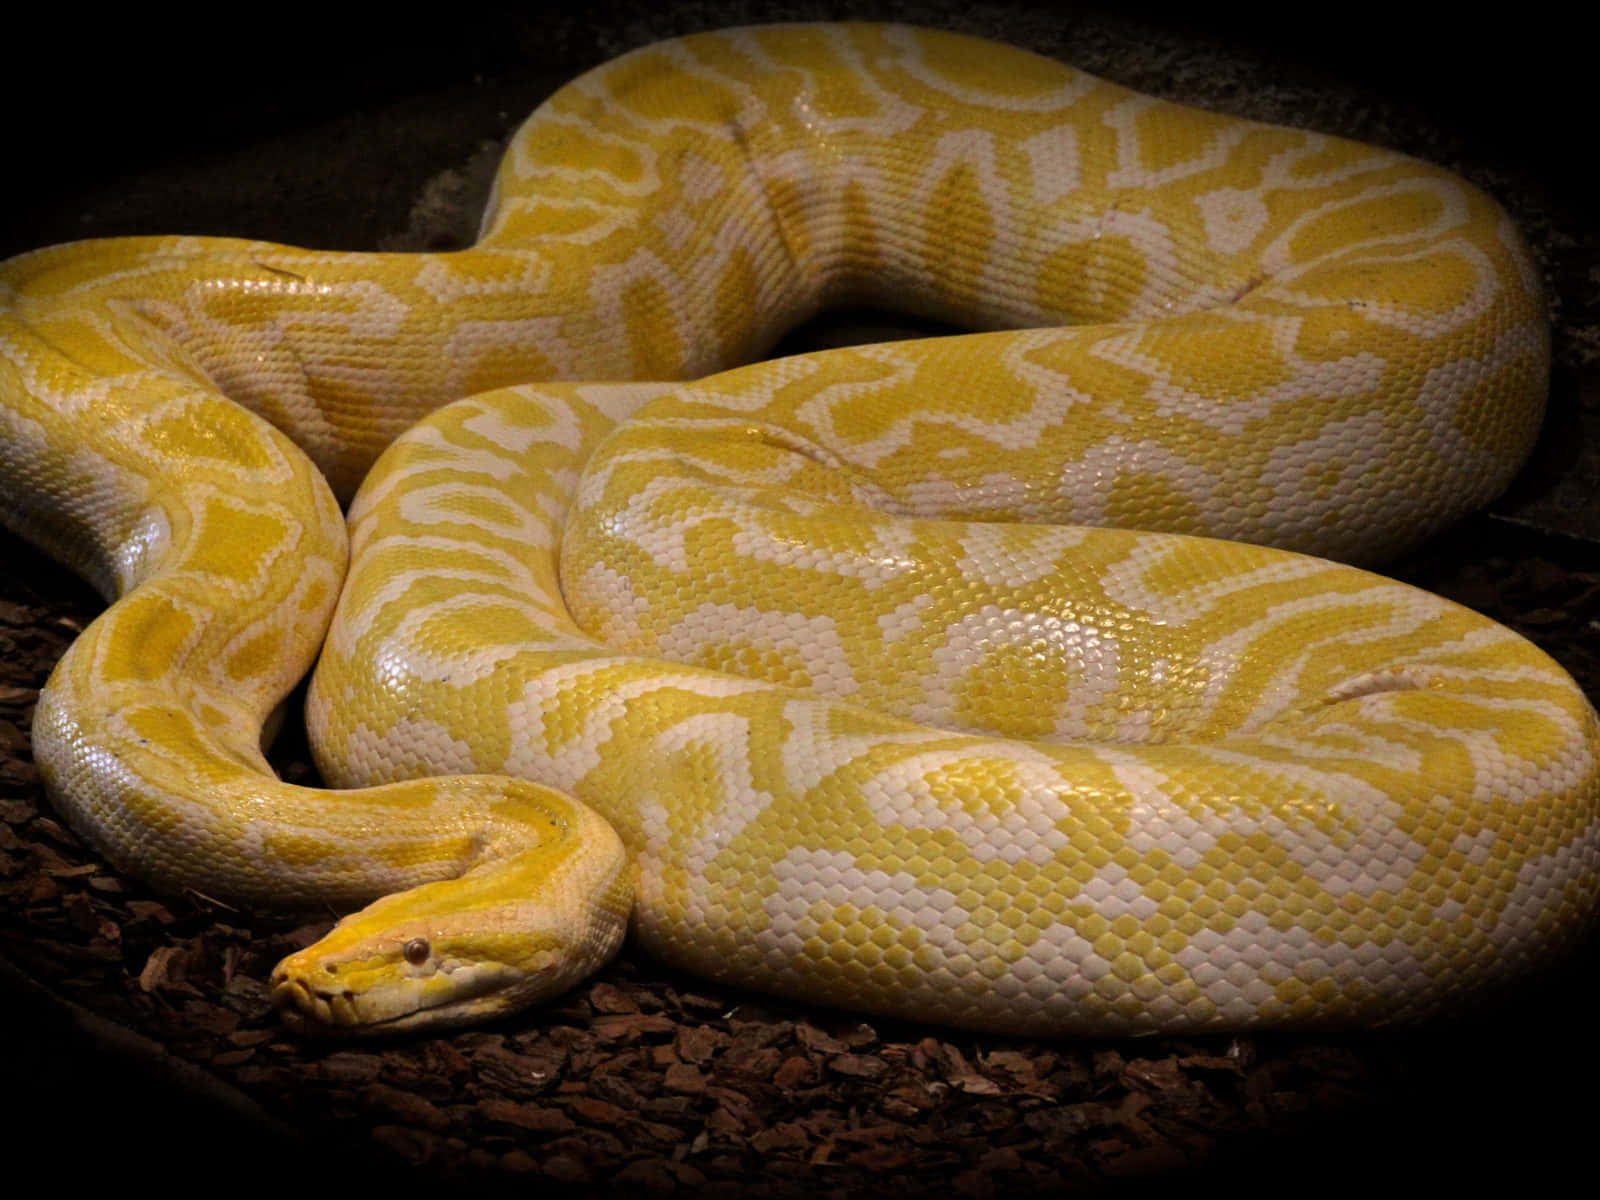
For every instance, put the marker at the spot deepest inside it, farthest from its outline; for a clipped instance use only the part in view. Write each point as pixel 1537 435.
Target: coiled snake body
pixel 821 669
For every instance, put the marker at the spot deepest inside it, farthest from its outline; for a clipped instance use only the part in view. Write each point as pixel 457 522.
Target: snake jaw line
pixel 391 992
pixel 446 994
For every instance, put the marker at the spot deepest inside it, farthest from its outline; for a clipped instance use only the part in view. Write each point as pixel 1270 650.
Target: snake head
pixel 502 936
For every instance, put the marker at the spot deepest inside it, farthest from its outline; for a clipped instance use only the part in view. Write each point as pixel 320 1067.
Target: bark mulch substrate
pixel 144 1023
pixel 140 1046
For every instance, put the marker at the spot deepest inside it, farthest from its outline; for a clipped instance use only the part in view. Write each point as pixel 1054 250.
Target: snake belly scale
pixel 912 678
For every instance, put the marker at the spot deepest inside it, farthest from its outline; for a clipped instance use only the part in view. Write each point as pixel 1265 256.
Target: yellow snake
pixel 816 671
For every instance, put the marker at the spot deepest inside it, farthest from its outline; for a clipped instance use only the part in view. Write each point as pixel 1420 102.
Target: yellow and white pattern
pixel 822 671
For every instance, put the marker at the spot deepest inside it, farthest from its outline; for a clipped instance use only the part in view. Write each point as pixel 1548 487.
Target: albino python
pixel 820 673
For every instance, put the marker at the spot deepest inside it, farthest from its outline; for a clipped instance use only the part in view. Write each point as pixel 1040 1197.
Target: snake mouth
pixel 308 1011
pixel 448 994
pixel 469 993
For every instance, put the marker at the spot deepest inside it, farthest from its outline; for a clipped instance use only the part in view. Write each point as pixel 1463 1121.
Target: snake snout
pixel 301 1004
pixel 291 997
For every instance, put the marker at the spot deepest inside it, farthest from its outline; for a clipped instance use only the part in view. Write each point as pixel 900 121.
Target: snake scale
pixel 911 678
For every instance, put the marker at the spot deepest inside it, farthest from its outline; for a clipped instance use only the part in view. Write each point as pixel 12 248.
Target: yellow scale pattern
pixel 823 671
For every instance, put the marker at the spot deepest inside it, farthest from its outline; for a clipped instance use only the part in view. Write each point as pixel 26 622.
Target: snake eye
pixel 417 951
